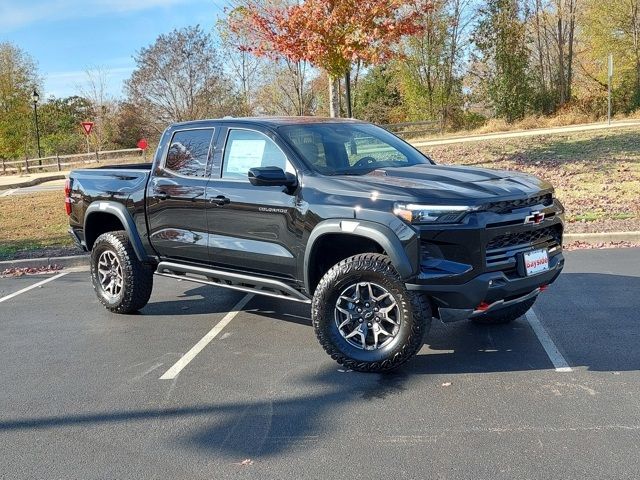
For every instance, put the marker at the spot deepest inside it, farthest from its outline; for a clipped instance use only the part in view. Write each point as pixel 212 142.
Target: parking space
pixel 9 286
pixel 83 397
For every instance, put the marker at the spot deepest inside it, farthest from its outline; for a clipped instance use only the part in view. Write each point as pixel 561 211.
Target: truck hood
pixel 441 183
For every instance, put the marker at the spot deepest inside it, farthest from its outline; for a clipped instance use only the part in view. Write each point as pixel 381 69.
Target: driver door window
pixel 247 149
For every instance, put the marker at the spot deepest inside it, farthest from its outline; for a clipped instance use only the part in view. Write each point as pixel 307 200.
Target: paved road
pixel 52 186
pixel 526 133
pixel 82 398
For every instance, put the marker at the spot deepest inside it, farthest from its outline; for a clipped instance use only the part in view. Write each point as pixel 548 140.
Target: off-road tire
pixel 505 315
pixel 414 310
pixel 137 277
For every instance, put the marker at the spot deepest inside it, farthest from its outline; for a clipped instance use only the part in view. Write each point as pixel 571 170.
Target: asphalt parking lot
pixel 82 394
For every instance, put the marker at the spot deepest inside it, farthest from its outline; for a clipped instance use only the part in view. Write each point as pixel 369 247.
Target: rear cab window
pixel 189 152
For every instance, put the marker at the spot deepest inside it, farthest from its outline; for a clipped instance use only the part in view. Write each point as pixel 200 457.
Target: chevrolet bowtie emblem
pixel 535 217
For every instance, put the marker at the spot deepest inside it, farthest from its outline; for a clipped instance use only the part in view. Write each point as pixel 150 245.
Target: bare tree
pixel 287 89
pixel 103 107
pixel 552 27
pixel 433 59
pixel 180 78
pixel 246 69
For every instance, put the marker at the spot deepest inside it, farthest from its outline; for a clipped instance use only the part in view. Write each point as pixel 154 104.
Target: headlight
pixel 413 213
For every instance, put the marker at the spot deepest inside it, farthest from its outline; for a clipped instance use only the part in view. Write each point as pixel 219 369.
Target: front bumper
pixel 494 290
pixel 477 266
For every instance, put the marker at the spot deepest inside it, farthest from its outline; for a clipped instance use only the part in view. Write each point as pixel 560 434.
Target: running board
pixel 234 281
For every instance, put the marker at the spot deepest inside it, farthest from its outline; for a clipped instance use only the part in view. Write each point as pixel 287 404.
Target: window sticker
pixel 245 154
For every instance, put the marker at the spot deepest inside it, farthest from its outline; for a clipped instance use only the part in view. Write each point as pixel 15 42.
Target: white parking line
pixel 204 341
pixel 552 351
pixel 31 287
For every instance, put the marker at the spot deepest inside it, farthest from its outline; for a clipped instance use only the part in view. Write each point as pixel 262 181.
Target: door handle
pixel 220 200
pixel 163 196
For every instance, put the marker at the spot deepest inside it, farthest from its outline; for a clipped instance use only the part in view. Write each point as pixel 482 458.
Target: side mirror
pixel 271 177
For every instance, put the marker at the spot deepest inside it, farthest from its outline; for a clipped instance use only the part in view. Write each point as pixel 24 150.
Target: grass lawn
pixel 31 222
pixel 596 174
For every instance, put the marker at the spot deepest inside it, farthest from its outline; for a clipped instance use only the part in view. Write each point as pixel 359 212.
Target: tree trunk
pixel 636 43
pixel 334 98
pixel 562 90
pixel 572 27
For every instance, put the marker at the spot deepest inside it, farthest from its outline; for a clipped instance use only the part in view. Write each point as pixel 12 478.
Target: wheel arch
pixel 367 234
pixel 105 216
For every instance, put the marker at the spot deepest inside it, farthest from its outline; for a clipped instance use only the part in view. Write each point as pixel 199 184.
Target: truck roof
pixel 267 121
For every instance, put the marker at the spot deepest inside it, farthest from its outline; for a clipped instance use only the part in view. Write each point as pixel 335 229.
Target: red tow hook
pixel 483 307
pixel 542 288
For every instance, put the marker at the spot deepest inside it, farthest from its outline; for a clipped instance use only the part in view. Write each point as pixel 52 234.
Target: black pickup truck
pixel 340 214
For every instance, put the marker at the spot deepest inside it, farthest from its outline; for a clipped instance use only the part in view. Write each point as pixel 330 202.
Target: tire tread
pixel 420 310
pixel 138 276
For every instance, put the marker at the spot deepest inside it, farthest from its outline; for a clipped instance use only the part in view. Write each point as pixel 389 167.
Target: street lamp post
pixel 35 98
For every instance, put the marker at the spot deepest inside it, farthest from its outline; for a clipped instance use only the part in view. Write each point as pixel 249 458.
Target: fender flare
pixel 119 211
pixel 381 234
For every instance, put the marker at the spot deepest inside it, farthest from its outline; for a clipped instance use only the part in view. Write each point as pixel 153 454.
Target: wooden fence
pixel 412 129
pixel 65 162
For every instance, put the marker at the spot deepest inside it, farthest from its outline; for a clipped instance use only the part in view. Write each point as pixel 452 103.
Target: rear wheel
pixel 365 318
pixel 122 282
pixel 505 315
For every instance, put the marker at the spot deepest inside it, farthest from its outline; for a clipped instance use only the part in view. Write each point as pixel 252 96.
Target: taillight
pixel 67 196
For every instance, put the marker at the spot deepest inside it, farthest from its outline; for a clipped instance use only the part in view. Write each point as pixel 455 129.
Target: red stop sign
pixel 143 144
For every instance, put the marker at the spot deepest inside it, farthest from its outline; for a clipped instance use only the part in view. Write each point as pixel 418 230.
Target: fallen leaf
pixel 21 271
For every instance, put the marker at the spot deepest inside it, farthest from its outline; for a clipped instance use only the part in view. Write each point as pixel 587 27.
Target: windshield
pixel 350 149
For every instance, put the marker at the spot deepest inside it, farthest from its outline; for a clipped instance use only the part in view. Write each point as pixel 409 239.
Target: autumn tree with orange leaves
pixel 329 34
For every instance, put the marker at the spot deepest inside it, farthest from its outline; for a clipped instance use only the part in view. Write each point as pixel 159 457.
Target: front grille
pixel 526 237
pixel 503 248
pixel 507 206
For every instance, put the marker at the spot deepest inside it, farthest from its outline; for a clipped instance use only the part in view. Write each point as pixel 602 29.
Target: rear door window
pixel 189 152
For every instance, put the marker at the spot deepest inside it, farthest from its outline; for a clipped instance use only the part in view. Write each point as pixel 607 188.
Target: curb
pixel 595 238
pixel 35 181
pixel 64 262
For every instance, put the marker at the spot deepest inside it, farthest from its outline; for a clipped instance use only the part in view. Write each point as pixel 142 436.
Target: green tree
pixel 60 124
pixel 614 27
pixel 18 79
pixel 500 37
pixel 377 97
pixel 130 127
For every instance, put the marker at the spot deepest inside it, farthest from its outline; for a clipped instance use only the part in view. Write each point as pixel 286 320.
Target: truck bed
pixel 110 180
pixel 126 166
pixel 124 184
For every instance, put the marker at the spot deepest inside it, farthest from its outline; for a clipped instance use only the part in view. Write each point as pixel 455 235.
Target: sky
pixel 67 37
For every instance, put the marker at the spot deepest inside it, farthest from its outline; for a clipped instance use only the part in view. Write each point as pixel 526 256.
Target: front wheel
pixel 365 318
pixel 122 282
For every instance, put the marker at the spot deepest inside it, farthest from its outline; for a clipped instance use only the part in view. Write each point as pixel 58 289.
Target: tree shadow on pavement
pixel 253 428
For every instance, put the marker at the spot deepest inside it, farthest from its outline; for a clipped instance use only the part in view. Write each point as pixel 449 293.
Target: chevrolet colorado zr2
pixel 339 214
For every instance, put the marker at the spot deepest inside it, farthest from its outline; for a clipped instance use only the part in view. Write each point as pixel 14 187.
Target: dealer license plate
pixel 536 261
